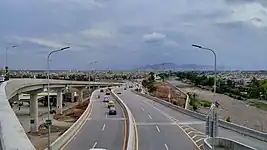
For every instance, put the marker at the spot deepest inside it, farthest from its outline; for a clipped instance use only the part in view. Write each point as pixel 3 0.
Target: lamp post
pixel 89 76
pixel 7 48
pixel 214 91
pixel 49 122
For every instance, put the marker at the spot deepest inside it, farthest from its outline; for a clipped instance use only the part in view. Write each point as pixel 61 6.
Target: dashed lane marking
pixel 157 128
pixel 166 146
pixel 94 145
pixel 103 128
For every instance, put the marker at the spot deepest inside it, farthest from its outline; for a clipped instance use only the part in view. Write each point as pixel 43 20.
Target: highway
pixel 101 130
pixel 159 125
pixel 156 130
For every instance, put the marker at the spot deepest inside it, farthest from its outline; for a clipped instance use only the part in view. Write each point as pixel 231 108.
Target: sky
pixel 121 34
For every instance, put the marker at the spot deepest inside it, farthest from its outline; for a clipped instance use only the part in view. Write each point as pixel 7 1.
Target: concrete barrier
pixel 131 143
pixel 13 136
pixel 231 126
pixel 224 143
pixel 60 142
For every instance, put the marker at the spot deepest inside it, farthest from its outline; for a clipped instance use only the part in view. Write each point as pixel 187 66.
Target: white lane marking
pixel 94 145
pixel 103 128
pixel 149 116
pixel 166 146
pixel 158 128
pixel 142 109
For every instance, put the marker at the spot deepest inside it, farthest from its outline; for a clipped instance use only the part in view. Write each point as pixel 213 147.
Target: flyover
pixel 163 127
pixel 10 127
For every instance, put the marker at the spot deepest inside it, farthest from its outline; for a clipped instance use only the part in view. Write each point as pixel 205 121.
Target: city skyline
pixel 129 34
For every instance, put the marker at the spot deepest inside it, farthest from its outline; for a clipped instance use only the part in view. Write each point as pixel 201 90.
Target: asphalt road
pixel 156 131
pixel 101 130
pixel 139 105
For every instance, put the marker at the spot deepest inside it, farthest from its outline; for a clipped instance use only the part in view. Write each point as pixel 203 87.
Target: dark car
pixel 118 92
pixel 125 88
pixel 112 111
pixel 101 90
pixel 107 93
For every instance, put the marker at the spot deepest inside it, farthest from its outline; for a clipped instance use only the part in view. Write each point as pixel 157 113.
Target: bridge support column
pixel 34 112
pixel 59 102
pixel 72 97
pixel 81 95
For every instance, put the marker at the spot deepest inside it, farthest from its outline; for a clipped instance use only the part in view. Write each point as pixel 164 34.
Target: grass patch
pixel 259 105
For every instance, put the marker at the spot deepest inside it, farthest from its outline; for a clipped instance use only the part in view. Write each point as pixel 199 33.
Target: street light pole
pixel 48 94
pixel 214 90
pixel 89 75
pixel 7 48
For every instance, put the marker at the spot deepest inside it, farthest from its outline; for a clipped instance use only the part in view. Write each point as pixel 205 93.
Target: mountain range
pixel 173 66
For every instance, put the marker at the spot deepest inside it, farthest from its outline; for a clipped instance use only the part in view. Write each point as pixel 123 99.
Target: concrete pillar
pixel 72 97
pixel 34 112
pixel 80 95
pixel 59 102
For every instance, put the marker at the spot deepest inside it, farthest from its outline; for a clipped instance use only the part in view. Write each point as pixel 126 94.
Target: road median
pixel 131 138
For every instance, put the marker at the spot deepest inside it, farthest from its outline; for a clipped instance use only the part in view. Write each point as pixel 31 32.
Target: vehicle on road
pixel 111 104
pixel 130 86
pixel 97 149
pixel 101 90
pixel 118 92
pixel 98 96
pixel 125 88
pixel 107 92
pixel 112 111
pixel 106 99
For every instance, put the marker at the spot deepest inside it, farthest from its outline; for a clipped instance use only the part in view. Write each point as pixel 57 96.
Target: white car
pixel 106 99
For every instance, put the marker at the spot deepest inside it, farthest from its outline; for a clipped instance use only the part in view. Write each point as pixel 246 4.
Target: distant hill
pixel 173 66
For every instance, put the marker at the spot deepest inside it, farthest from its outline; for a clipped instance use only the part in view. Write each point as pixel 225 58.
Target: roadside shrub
pixel 228 119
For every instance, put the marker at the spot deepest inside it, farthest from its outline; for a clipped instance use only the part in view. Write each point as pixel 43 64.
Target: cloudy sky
pixel 131 33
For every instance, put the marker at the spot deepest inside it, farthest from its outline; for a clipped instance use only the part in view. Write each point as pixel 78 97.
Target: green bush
pixel 228 119
pixel 195 106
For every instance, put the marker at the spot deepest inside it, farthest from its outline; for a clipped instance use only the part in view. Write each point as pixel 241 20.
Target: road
pixel 174 133
pixel 101 130
pixel 156 129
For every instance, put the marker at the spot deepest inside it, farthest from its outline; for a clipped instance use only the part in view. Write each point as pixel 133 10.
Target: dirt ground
pixel 60 124
pixel 239 112
pixel 162 92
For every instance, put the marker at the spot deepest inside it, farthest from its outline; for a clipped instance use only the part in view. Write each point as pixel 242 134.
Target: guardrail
pixel 131 129
pixel 225 143
pixel 231 126
pixel 60 142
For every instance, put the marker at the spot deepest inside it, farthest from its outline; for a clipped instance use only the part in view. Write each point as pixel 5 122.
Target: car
pixel 107 93
pixel 101 90
pixel 106 99
pixel 125 88
pixel 97 149
pixel 112 111
pixel 118 92
pixel 130 86
pixel 111 104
